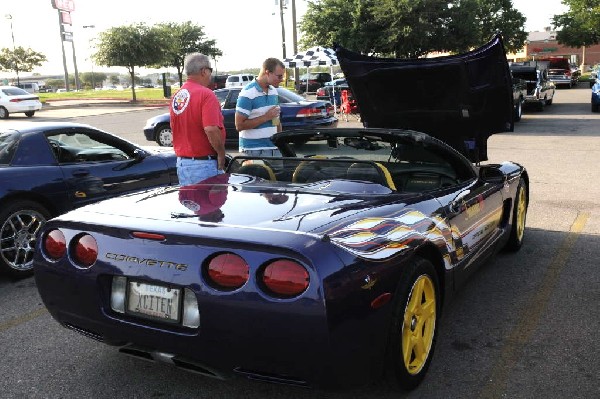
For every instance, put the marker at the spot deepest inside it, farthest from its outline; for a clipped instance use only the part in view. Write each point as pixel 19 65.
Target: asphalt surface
pixel 524 326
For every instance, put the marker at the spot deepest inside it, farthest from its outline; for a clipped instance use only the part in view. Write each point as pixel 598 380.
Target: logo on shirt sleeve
pixel 180 101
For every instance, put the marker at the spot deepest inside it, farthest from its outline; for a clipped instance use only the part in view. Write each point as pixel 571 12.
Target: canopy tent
pixel 314 56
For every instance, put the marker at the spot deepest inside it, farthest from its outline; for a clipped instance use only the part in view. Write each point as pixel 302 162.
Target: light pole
pixel 282 27
pixel 295 39
pixel 9 17
pixel 93 82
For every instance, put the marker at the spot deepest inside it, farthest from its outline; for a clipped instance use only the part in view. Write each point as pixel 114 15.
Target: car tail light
pixel 285 278
pixel 16 100
pixel 85 250
pixel 227 271
pixel 55 245
pixel 309 113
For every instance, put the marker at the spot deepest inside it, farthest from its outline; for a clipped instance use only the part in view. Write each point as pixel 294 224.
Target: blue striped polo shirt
pixel 252 102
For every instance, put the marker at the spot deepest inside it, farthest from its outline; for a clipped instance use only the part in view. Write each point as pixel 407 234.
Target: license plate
pixel 154 301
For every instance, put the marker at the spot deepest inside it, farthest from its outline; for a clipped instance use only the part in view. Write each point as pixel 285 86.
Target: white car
pixel 13 100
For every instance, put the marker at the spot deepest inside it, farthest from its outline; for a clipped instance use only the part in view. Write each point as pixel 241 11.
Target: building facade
pixel 544 45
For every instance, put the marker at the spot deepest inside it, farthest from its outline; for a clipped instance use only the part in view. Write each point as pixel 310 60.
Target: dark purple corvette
pixel 327 266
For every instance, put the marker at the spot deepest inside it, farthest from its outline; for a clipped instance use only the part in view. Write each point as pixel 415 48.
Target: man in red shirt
pixel 197 124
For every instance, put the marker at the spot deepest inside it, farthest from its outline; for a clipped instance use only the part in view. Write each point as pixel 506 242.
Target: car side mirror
pixel 139 154
pixel 491 174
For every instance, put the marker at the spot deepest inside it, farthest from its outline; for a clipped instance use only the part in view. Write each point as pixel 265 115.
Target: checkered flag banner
pixel 314 56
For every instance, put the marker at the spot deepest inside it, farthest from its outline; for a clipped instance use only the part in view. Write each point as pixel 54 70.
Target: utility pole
pixel 62 45
pixel 93 81
pixel 282 27
pixel 12 33
pixel 295 38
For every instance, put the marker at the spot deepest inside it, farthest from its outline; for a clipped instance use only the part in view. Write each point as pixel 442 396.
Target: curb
pixel 62 104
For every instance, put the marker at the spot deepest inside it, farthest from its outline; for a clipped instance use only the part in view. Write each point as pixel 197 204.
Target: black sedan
pixel 296 113
pixel 47 169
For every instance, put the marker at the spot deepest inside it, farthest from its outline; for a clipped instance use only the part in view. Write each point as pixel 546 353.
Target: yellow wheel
pixel 517 231
pixel 414 324
pixel 419 325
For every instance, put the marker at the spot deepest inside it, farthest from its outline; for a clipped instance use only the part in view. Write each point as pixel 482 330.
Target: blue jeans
pixel 192 171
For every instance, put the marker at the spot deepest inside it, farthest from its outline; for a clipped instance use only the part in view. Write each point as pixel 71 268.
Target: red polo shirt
pixel 192 108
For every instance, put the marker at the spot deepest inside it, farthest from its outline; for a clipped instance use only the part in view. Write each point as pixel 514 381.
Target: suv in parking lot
pixel 218 81
pixel 29 87
pixel 559 72
pixel 239 80
pixel 312 81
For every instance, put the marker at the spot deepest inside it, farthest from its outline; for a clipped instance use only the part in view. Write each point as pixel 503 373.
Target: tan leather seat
pixel 261 170
pixel 373 172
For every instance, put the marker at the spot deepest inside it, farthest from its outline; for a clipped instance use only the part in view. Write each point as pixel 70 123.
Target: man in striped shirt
pixel 257 111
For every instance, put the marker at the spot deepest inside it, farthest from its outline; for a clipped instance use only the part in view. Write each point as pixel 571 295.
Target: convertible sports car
pixel 50 168
pixel 327 266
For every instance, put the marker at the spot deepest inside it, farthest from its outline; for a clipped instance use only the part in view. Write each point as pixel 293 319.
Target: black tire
pixel 164 135
pixel 29 114
pixel 519 110
pixel 549 102
pixel 3 113
pixel 20 221
pixel 414 325
pixel 517 230
pixel 594 107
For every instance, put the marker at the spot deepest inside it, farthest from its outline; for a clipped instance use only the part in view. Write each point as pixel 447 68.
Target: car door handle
pixel 455 204
pixel 80 172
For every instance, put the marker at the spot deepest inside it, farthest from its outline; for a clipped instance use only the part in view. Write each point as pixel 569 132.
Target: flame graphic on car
pixel 382 238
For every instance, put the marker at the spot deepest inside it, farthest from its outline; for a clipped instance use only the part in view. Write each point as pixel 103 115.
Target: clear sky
pixel 247 31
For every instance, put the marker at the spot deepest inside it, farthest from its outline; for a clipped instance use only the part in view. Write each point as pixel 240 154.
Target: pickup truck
pixel 519 89
pixel 540 90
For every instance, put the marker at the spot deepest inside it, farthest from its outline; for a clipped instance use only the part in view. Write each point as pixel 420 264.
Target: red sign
pixel 65 18
pixel 64 5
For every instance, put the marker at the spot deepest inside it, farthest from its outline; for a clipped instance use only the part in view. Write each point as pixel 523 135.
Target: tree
pixel 55 83
pixel 411 28
pixel 349 23
pixel 20 59
pixel 580 26
pixel 474 22
pixel 182 39
pixel 92 79
pixel 129 46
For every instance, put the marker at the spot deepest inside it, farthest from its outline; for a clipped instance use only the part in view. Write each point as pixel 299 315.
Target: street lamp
pixel 93 82
pixel 9 17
